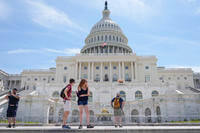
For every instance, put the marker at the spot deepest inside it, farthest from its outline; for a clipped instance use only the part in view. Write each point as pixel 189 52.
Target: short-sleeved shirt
pixel 69 93
pixel 120 101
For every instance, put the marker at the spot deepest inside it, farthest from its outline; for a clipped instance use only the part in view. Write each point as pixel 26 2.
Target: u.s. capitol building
pixel 152 93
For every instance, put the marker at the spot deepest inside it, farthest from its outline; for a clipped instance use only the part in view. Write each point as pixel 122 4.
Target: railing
pixel 106 120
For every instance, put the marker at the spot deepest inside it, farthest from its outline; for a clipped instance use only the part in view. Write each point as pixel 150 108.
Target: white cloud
pixel 138 10
pixel 69 51
pixel 194 68
pixel 4 10
pixel 50 17
pixel 22 51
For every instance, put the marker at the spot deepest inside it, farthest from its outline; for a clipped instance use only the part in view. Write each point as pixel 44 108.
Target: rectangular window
pixel 147 78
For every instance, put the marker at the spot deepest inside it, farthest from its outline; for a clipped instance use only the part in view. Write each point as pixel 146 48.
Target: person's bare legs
pixel 65 116
pixel 9 120
pixel 87 114
pixel 81 113
pixel 116 120
pixel 14 120
pixel 120 120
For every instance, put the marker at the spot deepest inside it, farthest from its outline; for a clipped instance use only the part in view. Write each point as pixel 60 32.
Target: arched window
pixel 90 98
pixel 55 94
pixel 101 38
pixel 123 95
pixel 105 25
pixel 110 37
pixel 85 76
pixel 106 37
pixel 135 116
pixel 148 115
pixel 138 95
pixel 34 87
pixel 158 112
pixel 154 93
pixel 113 38
pixel 97 78
pixel 127 78
pixel 115 77
pixel 64 79
pixel 106 77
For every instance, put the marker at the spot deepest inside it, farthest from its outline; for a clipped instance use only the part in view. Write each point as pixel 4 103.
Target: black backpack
pixel 62 94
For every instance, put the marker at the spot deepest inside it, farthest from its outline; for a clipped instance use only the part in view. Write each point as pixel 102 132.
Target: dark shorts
pixel 83 103
pixel 11 111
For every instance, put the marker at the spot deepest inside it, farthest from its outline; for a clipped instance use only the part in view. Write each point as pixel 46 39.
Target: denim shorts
pixel 82 102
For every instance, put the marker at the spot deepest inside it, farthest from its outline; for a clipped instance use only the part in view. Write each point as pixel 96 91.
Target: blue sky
pixel 34 32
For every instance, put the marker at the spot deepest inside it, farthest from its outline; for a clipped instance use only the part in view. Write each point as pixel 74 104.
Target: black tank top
pixel 81 92
pixel 13 101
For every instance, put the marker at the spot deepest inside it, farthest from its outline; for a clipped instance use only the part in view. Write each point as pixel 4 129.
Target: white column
pixel 79 70
pixel 88 71
pixel 92 71
pixel 101 76
pixel 76 71
pixel 132 72
pixel 119 71
pixel 99 49
pixel 136 71
pixel 110 72
pixel 123 71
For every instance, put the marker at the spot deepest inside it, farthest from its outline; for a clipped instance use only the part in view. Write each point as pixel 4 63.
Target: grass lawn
pixel 6 121
pixel 192 121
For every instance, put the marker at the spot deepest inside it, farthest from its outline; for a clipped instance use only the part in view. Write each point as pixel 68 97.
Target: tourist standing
pixel 66 94
pixel 13 100
pixel 117 104
pixel 83 93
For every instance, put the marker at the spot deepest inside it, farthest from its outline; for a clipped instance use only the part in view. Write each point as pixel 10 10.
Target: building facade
pixel 152 93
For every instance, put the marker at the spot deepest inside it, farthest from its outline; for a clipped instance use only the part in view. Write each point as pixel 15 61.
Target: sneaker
pixel 90 126
pixel 13 125
pixel 115 126
pixel 9 126
pixel 66 127
pixel 120 126
pixel 80 127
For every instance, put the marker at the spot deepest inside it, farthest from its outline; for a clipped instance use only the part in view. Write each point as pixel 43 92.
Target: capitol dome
pixel 106 37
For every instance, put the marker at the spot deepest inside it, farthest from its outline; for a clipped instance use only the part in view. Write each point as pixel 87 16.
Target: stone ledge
pixel 106 129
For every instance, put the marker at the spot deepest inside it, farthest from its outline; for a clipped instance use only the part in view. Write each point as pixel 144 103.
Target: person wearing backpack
pixel 66 94
pixel 117 104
